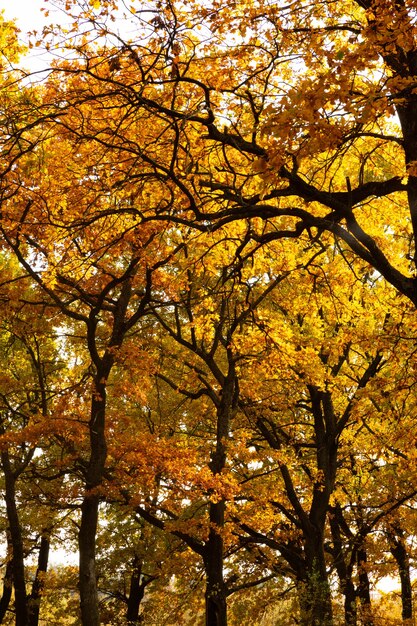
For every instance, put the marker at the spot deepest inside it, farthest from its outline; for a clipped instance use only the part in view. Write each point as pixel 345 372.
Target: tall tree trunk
pixel 94 472
pixel 363 590
pixel 216 605
pixel 7 589
pixel 136 593
pixel 19 583
pixel 89 600
pixel 213 556
pixel 344 570
pixel 351 614
pixel 317 605
pixel 38 583
pixel 398 550
pixel 319 602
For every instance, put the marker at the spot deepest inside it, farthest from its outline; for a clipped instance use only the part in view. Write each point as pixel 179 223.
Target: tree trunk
pixel 136 593
pixel 406 592
pixel 90 615
pixel 344 571
pixel 216 605
pixel 351 614
pixel 7 590
pixel 213 556
pixel 94 472
pixel 317 605
pixel 363 591
pixel 19 583
pixel 89 600
pixel 38 583
pixel 399 552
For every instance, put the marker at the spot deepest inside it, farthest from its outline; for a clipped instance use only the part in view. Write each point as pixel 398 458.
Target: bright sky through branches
pixel 29 17
pixel 27 13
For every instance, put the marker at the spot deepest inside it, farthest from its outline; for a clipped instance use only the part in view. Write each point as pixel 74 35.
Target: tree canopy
pixel 207 311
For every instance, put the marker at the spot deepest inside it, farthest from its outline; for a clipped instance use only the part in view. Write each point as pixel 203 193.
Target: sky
pixel 29 17
pixel 27 12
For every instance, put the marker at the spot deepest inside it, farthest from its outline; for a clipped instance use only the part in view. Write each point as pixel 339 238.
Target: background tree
pixel 28 389
pixel 99 294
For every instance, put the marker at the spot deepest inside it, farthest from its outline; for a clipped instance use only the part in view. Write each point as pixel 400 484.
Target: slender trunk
pixel 7 590
pixel 38 583
pixel 94 473
pixel 89 600
pixel 351 614
pixel 216 605
pixel 399 552
pixel 313 585
pixel 318 597
pixel 136 593
pixel 19 583
pixel 90 615
pixel 344 572
pixel 363 591
pixel 406 593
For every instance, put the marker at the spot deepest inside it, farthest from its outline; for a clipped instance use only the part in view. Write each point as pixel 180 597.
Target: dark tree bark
pixel 138 584
pixel 136 593
pixel 349 603
pixel 38 583
pixel 213 556
pixel 89 600
pixel 315 596
pixel 216 592
pixel 316 607
pixel 16 540
pixel 344 568
pixel 398 550
pixel 7 590
pixel 363 589
pixel 95 468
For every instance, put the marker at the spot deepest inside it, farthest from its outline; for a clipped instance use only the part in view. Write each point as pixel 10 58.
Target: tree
pixel 28 387
pixel 267 129
pixel 335 150
pixel 312 371
pixel 99 294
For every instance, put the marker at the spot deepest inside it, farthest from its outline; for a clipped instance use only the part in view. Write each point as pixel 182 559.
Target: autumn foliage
pixel 208 314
